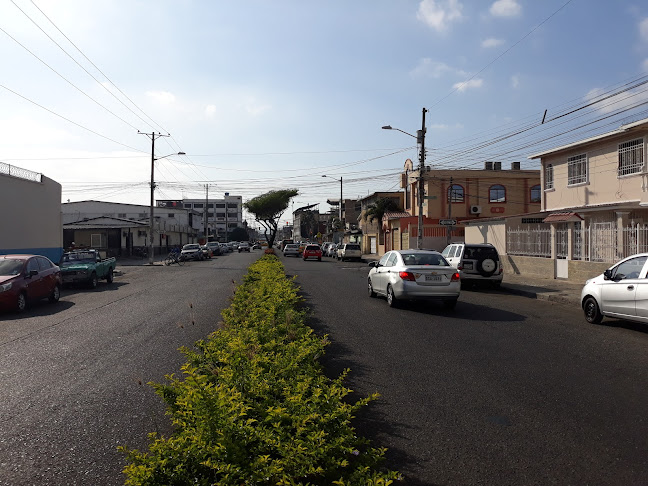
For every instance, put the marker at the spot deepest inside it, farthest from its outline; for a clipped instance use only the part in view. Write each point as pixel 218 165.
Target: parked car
pixel 621 291
pixel 349 251
pixel 207 252
pixel 477 263
pixel 332 250
pixel 215 248
pixel 244 246
pixel 312 251
pixel 25 278
pixel 86 267
pixel 291 249
pixel 256 246
pixel 191 251
pixel 414 275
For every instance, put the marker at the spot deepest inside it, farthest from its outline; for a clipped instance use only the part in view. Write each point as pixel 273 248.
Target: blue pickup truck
pixel 86 267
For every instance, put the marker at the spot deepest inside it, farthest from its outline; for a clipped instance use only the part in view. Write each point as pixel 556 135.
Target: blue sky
pixel 267 95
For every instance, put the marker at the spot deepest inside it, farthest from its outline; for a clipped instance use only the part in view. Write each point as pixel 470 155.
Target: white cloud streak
pixel 161 97
pixel 506 8
pixel 439 14
pixel 466 85
pixel 492 42
pixel 643 29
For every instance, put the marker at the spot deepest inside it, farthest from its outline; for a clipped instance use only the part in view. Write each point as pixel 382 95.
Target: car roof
pixel 17 256
pixel 416 250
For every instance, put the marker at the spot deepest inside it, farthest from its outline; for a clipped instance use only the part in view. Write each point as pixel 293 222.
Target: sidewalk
pixel 553 290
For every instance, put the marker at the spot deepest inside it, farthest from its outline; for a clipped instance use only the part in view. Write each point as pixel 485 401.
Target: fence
pixel 12 170
pixel 599 242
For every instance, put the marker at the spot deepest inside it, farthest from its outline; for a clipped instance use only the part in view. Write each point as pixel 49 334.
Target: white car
pixel 291 249
pixel 349 251
pixel 621 291
pixel 244 246
pixel 414 275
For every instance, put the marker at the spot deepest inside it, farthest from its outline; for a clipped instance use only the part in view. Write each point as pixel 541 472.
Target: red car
pixel 28 277
pixel 312 251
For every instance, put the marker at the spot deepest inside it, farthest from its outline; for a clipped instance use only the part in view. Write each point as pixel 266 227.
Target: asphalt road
pixel 503 390
pixel 74 374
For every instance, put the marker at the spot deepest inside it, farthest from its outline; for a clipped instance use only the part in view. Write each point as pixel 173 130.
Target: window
pixel 456 193
pixel 536 194
pixel 631 157
pixel 171 215
pixel 549 182
pixel 629 269
pixel 221 206
pixel 121 215
pixel 98 240
pixel 392 260
pixel 198 205
pixel 187 206
pixel 577 169
pixel 220 215
pixel 143 215
pixel 210 206
pixel 497 194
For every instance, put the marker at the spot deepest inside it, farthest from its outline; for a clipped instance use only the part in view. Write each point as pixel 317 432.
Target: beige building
pixel 31 220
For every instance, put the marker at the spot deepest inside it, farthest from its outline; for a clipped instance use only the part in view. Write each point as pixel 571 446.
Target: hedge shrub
pixel 253 406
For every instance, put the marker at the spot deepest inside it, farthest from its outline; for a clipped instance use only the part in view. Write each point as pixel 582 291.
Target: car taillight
pixel 455 277
pixel 407 276
pixel 460 266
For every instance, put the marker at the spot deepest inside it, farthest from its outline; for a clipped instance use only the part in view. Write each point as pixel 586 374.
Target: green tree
pixel 377 210
pixel 268 208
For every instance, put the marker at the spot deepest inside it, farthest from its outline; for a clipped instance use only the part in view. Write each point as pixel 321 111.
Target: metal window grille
pixel 631 157
pixel 577 169
pixel 532 241
pixel 549 182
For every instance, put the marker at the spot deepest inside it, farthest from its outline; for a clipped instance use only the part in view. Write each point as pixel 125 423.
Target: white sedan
pixel 414 275
pixel 621 291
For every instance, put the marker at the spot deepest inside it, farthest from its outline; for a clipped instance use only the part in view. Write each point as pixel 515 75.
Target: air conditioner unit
pixel 475 209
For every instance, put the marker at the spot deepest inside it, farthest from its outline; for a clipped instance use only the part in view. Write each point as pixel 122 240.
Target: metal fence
pixel 12 170
pixel 599 242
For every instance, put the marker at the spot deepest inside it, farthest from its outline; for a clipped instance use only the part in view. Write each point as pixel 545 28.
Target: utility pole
pixel 206 213
pixel 449 228
pixel 421 182
pixel 152 136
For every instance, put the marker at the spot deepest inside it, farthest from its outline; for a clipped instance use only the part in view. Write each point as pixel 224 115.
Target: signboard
pixel 447 222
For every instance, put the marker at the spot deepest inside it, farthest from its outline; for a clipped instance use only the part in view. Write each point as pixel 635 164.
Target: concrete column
pixel 554 242
pixel 570 241
pixel 621 222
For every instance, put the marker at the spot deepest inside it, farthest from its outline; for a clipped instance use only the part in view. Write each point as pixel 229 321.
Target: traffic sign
pixel 447 222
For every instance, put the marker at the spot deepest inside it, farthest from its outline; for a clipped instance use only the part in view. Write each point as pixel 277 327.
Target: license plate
pixel 468 265
pixel 433 278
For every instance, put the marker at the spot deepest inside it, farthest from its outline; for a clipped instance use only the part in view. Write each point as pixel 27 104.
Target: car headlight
pixel 6 286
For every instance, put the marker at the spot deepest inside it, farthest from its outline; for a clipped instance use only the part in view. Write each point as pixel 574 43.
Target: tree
pixel 377 210
pixel 268 208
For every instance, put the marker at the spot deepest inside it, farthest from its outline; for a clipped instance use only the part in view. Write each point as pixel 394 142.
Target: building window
pixel 536 194
pixel 142 215
pixel 631 157
pixel 220 206
pixel 456 193
pixel 171 215
pixel 497 194
pixel 577 169
pixel 187 205
pixel 220 215
pixel 210 206
pixel 121 215
pixel 198 205
pixel 549 183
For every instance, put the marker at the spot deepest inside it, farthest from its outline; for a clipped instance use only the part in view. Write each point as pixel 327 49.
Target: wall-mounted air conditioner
pixel 475 209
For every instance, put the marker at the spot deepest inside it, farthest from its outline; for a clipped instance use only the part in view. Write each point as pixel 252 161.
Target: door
pixel 378 277
pixel 618 294
pixel 372 244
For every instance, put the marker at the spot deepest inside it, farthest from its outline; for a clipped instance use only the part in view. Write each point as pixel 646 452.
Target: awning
pixel 564 217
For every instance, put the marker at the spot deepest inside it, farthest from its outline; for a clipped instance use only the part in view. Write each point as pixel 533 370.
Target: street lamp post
pixel 153 136
pixel 420 138
pixel 340 205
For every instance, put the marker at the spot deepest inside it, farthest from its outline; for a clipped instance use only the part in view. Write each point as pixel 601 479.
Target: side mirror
pixel 607 274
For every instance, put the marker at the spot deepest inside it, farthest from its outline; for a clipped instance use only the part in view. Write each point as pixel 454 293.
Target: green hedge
pixel 254 407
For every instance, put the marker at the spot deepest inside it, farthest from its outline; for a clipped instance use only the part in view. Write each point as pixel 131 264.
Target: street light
pixel 420 138
pixel 340 205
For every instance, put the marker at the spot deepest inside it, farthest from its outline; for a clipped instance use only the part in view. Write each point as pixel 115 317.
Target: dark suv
pixel 476 262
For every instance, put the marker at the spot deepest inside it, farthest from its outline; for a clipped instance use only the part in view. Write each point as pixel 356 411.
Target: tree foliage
pixel 377 210
pixel 268 208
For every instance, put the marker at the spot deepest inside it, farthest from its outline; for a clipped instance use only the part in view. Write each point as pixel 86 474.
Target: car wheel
pixel 94 281
pixel 391 298
pixel 592 312
pixel 55 295
pixel 319 259
pixel 110 277
pixel 21 302
pixel 370 289
pixel 450 303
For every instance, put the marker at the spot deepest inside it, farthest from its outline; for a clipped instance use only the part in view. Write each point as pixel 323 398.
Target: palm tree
pixel 377 210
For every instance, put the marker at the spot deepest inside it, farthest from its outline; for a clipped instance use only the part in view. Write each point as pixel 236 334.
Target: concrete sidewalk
pixel 554 290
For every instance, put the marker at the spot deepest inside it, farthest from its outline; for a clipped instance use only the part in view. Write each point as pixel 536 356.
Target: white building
pixel 31 219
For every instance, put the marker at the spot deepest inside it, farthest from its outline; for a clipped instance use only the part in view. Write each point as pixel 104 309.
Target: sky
pixel 267 95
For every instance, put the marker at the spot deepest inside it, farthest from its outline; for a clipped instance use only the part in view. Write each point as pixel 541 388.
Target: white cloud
pixel 254 108
pixel 506 8
pixel 210 111
pixel 644 65
pixel 161 97
pixel 492 42
pixel 620 101
pixel 438 14
pixel 643 29
pixel 470 84
pixel 444 126
pixel 515 81
pixel 433 69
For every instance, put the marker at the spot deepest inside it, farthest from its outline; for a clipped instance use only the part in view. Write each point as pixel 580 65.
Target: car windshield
pixel 10 267
pixel 480 252
pixel 424 259
pixel 292 246
pixel 353 247
pixel 77 257
pixel 191 247
pixel 312 247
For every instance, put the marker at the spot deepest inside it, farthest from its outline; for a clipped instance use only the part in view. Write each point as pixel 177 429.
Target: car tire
pixel 21 302
pixel 55 295
pixel 592 312
pixel 110 277
pixel 319 259
pixel 370 289
pixel 486 267
pixel 391 298
pixel 94 281
pixel 450 303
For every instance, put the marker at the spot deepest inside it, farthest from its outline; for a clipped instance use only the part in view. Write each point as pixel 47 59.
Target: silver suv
pixel 349 251
pixel 476 262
